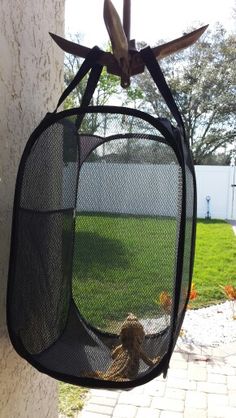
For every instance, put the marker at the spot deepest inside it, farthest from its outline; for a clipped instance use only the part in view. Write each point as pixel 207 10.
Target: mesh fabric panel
pixel 126 235
pixel 41 295
pixel 127 229
pixel 96 237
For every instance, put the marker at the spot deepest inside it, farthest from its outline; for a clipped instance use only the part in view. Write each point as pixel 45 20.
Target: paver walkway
pixel 201 383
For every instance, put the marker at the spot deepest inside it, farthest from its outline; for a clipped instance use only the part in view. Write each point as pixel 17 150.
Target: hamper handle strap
pixel 159 79
pixel 89 62
pixel 88 93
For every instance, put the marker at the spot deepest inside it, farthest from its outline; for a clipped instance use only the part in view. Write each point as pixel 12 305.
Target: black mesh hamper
pixel 103 226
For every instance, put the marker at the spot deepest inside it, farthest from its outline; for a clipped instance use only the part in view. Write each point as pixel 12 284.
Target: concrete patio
pixel 201 383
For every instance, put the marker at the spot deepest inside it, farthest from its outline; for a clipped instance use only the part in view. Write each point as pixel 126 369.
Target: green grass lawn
pixel 112 251
pixel 71 399
pixel 215 261
pixel 121 265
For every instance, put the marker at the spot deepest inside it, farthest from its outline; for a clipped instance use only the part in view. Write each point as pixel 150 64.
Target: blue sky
pixel 151 19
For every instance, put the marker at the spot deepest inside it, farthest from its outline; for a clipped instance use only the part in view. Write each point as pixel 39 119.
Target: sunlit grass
pixel 121 264
pixel 71 399
pixel 215 261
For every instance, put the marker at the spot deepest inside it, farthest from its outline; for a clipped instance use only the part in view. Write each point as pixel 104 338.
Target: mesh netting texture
pixel 99 215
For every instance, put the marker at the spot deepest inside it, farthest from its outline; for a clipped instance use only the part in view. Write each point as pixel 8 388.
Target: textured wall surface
pixel 31 79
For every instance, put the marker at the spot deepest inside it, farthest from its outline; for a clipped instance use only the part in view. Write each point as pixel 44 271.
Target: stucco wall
pixel 31 79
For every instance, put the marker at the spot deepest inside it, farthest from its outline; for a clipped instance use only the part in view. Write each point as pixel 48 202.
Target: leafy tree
pixel 203 81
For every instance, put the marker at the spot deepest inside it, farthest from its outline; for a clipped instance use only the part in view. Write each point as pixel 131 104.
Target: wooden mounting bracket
pixel 126 61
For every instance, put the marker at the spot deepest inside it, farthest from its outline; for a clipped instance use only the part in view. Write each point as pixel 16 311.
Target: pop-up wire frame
pixel 103 225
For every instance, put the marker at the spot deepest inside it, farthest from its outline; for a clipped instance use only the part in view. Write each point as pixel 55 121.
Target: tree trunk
pixel 31 80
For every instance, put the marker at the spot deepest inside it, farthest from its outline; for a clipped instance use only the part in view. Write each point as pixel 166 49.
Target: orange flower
pixel 193 292
pixel 165 300
pixel 229 291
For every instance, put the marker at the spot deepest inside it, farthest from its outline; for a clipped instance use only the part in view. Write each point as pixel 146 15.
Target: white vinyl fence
pixel 103 188
pixel 136 189
pixel 217 183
